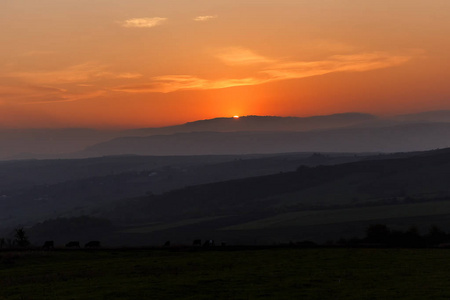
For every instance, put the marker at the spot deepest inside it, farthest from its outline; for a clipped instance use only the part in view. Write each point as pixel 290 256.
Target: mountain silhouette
pixel 398 138
pixel 262 123
pixel 348 132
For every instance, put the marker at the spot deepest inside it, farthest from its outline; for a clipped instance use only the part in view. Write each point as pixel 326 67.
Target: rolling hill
pixel 35 190
pixel 318 203
pixel 242 200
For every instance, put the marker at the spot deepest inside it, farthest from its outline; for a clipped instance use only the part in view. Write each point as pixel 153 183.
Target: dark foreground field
pixel 277 273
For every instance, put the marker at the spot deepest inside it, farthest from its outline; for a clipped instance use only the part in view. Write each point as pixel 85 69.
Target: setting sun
pixel 99 67
pixel 235 117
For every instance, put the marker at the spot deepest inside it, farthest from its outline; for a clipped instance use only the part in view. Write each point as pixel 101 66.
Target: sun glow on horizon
pixel 159 63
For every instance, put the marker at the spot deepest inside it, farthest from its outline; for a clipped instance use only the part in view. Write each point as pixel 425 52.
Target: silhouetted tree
pixel 412 237
pixel 436 236
pixel 20 237
pixel 378 233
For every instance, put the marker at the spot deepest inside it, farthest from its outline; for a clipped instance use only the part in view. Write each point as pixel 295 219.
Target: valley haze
pixel 247 180
pixel 198 149
pixel 346 132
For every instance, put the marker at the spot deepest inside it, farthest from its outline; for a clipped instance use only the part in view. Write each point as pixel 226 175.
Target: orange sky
pixel 141 63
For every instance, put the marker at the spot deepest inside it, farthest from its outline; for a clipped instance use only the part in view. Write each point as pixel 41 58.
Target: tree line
pixel 382 235
pixel 20 239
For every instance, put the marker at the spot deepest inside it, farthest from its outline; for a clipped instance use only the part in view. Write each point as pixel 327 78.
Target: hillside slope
pixel 33 190
pixel 339 199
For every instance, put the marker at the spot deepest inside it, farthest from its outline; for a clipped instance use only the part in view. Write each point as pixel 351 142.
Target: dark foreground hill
pixel 35 190
pixel 305 199
pixel 318 203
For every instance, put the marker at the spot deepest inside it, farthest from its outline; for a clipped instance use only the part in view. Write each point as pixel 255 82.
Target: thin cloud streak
pixel 143 22
pixel 337 63
pixel 12 92
pixel 273 71
pixel 73 74
pixel 24 95
pixel 172 83
pixel 204 18
pixel 241 56
pixel 70 98
pixel 81 73
pixel 129 76
pixel 40 87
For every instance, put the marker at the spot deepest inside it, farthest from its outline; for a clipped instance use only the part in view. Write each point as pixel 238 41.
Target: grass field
pixel 277 273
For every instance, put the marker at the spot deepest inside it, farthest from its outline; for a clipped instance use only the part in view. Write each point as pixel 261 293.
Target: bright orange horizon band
pixel 151 63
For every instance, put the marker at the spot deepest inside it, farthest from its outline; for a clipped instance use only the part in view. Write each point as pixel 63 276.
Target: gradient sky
pixel 143 63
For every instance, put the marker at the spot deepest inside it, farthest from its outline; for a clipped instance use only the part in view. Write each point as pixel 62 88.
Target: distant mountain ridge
pixel 399 138
pixel 262 123
pixel 426 116
pixel 314 133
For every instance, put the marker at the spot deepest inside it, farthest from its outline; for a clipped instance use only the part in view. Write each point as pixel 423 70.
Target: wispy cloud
pixel 29 94
pixel 21 91
pixel 70 97
pixel 72 74
pixel 326 46
pixel 204 18
pixel 337 63
pixel 241 56
pixel 172 83
pixel 73 83
pixel 270 71
pixel 143 22
pixel 80 73
pixel 129 75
